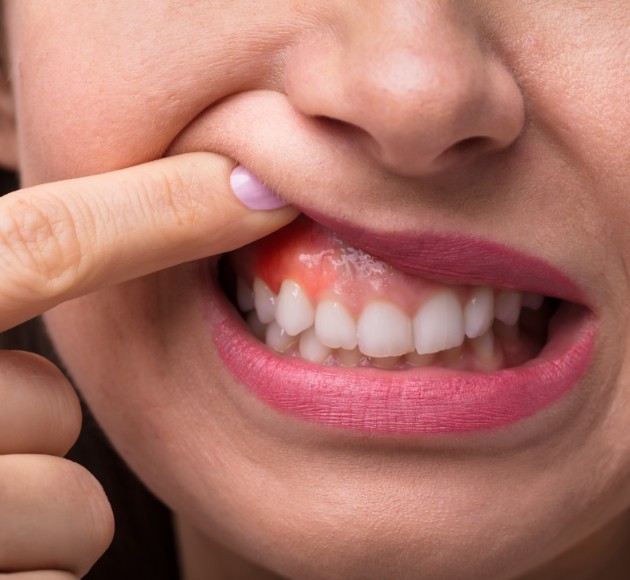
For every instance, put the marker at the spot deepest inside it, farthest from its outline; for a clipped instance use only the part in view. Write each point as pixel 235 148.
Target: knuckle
pixel 41 411
pixel 175 202
pixel 55 515
pixel 96 513
pixel 40 248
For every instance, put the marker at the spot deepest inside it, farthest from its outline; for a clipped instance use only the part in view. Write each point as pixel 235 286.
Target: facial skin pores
pixel 472 158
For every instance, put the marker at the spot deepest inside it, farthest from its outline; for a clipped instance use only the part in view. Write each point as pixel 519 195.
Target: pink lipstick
pixel 423 400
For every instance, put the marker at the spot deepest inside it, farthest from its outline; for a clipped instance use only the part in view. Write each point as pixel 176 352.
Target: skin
pixel 501 119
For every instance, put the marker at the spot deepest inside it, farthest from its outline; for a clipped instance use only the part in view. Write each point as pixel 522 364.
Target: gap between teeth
pixel 290 321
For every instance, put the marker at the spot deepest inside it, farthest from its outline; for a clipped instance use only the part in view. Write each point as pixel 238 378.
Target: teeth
pixel 384 330
pixel 277 338
pixel 483 346
pixel 452 357
pixel 244 295
pixel 532 301
pixel 384 335
pixel 439 323
pixel 349 358
pixel 311 349
pixel 335 326
pixel 419 360
pixel 264 301
pixel 386 362
pixel 257 327
pixel 508 306
pixel 294 311
pixel 479 312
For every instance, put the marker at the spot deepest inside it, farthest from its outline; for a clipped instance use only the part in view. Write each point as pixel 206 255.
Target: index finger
pixel 65 239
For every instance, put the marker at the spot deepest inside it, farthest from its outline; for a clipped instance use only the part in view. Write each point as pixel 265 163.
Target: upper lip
pixel 444 256
pixel 457 259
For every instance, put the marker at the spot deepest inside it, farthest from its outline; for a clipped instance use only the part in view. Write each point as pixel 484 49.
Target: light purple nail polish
pixel 251 192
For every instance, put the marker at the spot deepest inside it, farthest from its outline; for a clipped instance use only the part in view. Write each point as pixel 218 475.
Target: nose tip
pixel 418 99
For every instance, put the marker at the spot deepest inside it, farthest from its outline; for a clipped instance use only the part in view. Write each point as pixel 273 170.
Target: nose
pixel 415 83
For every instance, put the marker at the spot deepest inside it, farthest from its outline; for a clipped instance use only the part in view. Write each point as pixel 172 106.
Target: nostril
pixel 465 149
pixel 336 126
pixel 470 143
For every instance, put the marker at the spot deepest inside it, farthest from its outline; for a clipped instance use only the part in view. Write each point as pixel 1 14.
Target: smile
pixel 400 343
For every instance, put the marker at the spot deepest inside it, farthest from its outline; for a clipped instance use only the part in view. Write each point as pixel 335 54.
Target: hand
pixel 59 241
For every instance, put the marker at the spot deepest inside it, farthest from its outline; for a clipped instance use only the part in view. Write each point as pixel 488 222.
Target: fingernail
pixel 251 192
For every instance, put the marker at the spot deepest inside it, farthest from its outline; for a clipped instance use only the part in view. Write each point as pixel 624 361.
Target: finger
pixel 55 515
pixel 61 240
pixel 39 575
pixel 39 410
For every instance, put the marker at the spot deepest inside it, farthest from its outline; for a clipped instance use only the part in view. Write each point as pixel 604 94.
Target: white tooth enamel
pixel 257 327
pixel 439 323
pixel 311 349
pixel 264 301
pixel 349 358
pixel 479 312
pixel 419 360
pixel 483 346
pixel 335 326
pixel 532 301
pixel 294 311
pixel 277 338
pixel 244 295
pixel 507 306
pixel 384 330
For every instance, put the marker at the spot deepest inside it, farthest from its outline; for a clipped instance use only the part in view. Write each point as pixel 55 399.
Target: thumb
pixel 64 239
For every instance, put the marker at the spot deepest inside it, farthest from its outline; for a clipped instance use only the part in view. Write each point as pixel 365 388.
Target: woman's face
pixel 481 143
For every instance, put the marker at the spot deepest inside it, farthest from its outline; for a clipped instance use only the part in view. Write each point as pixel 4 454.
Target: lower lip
pixel 417 401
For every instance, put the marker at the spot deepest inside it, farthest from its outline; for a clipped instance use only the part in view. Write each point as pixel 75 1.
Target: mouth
pixel 398 335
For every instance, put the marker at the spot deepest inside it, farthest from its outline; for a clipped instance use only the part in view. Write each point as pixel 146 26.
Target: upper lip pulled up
pixel 458 259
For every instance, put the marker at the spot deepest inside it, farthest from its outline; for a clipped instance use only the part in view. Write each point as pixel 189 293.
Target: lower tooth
pixel 452 357
pixel 386 362
pixel 419 360
pixel 277 338
pixel 258 328
pixel 349 358
pixel 311 349
pixel 483 346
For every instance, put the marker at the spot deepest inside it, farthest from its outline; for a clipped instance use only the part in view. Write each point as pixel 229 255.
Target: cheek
pixel 114 85
pixel 99 337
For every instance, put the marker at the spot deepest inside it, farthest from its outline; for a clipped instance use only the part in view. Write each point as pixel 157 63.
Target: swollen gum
pixel 326 267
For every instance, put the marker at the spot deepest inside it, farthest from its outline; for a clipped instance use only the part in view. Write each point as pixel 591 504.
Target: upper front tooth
pixel 294 311
pixel 264 301
pixel 439 323
pixel 335 326
pixel 507 306
pixel 384 330
pixel 479 312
